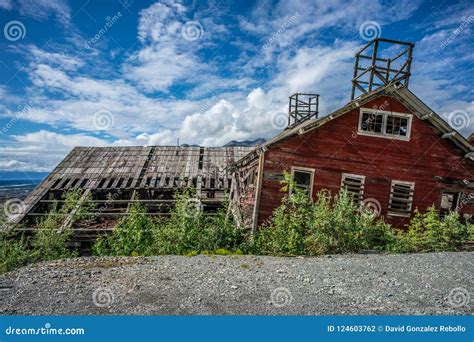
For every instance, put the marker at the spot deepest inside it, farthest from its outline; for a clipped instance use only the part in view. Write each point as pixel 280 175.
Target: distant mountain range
pixel 20 175
pixel 248 143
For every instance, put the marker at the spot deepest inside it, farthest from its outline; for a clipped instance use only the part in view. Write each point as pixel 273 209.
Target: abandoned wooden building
pixel 388 148
pixel 115 177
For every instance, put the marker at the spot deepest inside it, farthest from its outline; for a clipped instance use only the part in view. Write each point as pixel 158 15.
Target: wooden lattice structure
pixel 116 176
pixel 375 66
pixel 302 107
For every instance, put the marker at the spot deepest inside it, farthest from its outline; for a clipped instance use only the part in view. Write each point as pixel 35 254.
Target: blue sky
pixel 129 72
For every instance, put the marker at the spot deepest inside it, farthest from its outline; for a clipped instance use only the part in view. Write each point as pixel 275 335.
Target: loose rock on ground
pixel 372 284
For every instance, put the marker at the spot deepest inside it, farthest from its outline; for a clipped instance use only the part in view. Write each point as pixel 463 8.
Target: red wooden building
pixel 390 150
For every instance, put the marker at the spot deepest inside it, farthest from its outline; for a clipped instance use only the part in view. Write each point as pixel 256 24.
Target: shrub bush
pixel 132 236
pixel 427 232
pixel 329 225
pixel 14 252
pixel 185 232
pixel 285 232
pixel 50 241
pixel 188 230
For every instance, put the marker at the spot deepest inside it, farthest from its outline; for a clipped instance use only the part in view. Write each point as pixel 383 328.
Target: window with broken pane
pixel 371 122
pixel 397 126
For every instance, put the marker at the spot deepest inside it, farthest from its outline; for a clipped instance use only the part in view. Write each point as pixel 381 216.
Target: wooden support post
pixel 258 191
pixel 374 61
pixel 354 79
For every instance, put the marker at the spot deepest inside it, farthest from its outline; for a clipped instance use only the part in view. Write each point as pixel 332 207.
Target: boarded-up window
pixel 303 179
pixel 354 185
pixel 401 198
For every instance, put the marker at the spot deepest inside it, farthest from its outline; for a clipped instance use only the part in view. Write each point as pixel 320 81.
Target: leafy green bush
pixel 132 236
pixel 51 238
pixel 50 242
pixel 329 225
pixel 185 232
pixel 188 230
pixel 428 232
pixel 53 232
pixel 299 226
pixel 14 252
pixel 285 232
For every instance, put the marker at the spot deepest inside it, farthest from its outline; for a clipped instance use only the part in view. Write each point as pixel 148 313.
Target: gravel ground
pixel 415 284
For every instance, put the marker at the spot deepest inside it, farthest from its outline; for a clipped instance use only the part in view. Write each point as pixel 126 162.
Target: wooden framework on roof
pixel 115 177
pixel 373 69
pixel 302 107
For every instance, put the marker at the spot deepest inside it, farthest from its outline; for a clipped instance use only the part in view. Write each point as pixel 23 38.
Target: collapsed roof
pixel 151 172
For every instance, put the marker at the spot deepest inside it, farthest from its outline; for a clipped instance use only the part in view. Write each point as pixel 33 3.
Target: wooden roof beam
pixel 449 135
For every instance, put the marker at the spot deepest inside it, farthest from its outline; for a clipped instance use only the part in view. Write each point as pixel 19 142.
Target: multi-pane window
pixel 397 126
pixel 303 179
pixel 354 185
pixel 372 122
pixel 385 124
pixel 401 198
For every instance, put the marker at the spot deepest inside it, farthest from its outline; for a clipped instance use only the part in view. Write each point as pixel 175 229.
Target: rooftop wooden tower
pixel 379 63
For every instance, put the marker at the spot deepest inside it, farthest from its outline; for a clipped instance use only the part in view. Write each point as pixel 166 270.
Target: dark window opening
pixel 449 201
pixel 56 183
pixel 372 122
pixel 302 180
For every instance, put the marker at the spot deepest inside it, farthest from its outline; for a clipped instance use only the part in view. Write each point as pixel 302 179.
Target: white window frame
pixel 307 170
pixel 344 175
pixel 385 114
pixel 412 185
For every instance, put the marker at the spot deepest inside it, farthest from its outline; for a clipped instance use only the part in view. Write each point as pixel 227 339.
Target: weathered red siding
pixel 335 148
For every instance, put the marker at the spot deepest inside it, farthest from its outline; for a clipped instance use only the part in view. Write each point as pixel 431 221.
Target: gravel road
pixel 415 284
